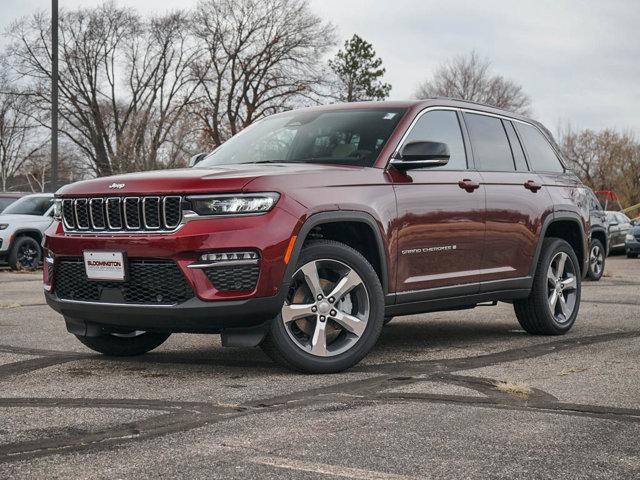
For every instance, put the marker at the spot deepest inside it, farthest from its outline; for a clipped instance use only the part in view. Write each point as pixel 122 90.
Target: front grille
pixel 234 278
pixel 149 282
pixel 128 214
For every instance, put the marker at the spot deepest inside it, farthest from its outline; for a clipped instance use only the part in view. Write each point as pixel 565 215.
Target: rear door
pixel 440 223
pixel 516 204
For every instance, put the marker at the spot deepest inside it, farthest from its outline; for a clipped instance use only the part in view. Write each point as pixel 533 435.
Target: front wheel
pixel 632 255
pixel 124 344
pixel 333 313
pixel 25 254
pixel 596 260
pixel 552 305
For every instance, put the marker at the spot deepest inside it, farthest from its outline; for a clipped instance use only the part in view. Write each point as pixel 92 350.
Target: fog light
pixel 228 256
pixel 226 259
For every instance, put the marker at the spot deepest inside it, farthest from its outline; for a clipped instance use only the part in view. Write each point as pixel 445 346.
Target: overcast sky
pixel 578 60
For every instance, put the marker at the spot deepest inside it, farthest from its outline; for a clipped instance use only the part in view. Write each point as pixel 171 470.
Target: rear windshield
pixel 346 137
pixel 30 206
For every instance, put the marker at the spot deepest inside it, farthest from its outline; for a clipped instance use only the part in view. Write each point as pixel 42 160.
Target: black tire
pixel 632 255
pixel 534 313
pixel 25 254
pixel 597 259
pixel 119 346
pixel 281 347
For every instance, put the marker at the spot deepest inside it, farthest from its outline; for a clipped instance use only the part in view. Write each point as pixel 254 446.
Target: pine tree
pixel 359 73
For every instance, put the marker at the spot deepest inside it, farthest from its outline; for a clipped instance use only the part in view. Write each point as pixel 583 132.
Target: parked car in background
pixel 598 238
pixel 619 226
pixel 7 198
pixel 22 226
pixel 632 242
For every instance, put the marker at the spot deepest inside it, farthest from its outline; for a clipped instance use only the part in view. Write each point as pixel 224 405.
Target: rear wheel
pixel 124 344
pixel 333 313
pixel 632 255
pixel 552 305
pixel 25 254
pixel 596 260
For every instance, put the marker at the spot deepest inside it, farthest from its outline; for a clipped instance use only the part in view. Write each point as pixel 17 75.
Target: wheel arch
pixel 568 226
pixel 28 232
pixel 340 226
pixel 601 235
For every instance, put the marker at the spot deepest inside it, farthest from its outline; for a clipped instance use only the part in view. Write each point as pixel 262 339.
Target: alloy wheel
pixel 27 256
pixel 596 259
pixel 327 308
pixel 562 287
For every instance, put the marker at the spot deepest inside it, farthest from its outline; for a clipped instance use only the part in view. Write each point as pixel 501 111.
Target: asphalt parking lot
pixel 462 394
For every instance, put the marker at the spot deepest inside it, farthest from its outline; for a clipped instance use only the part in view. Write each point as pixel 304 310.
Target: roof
pixel 423 103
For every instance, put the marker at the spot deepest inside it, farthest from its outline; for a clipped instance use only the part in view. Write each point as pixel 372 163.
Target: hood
pixel 15 219
pixel 225 178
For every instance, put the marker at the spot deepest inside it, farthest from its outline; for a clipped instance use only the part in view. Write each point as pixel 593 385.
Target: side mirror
pixel 634 222
pixel 193 161
pixel 422 154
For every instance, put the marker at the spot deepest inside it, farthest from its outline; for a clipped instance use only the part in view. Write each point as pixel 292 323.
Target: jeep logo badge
pixel 119 186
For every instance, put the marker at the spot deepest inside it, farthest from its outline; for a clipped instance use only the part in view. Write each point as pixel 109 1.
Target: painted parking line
pixel 327 469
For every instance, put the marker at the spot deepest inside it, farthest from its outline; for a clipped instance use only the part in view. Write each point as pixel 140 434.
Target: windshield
pixel 5 202
pixel 30 206
pixel 345 137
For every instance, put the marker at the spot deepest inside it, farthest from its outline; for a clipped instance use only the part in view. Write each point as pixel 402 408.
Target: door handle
pixel 532 185
pixel 468 185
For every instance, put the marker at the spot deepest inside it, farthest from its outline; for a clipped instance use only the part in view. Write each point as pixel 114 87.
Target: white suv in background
pixel 22 226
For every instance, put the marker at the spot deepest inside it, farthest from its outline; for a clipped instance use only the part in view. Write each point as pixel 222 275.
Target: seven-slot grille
pixel 125 214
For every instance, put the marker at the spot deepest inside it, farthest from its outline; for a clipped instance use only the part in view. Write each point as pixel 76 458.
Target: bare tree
pixel 124 83
pixel 468 77
pixel 605 160
pixel 262 56
pixel 20 139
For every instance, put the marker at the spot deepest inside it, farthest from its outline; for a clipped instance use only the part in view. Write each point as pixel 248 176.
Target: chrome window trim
pixel 144 213
pixel 426 110
pixel 93 224
pixel 124 211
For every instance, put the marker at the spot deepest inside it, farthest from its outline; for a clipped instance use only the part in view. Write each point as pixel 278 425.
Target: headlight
pixel 628 236
pixel 4 226
pixel 57 210
pixel 240 204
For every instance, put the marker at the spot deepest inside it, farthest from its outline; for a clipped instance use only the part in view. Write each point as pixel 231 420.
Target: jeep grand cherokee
pixel 307 230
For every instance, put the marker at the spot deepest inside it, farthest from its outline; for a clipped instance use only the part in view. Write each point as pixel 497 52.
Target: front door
pixel 440 224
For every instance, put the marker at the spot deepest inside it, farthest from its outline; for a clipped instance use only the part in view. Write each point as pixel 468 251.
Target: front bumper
pixel 267 234
pixel 192 316
pixel 632 246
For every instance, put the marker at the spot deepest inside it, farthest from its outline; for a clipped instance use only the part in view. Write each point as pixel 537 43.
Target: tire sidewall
pixel 590 274
pixel 305 361
pixel 555 247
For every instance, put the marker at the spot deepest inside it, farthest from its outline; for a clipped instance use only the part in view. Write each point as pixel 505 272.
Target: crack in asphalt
pixel 177 416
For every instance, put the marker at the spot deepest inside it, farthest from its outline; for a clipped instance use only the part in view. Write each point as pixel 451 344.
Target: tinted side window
pixel 491 149
pixel 441 126
pixel 541 156
pixel 516 147
pixel 594 204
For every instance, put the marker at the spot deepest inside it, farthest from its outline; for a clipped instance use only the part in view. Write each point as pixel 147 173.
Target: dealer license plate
pixel 104 266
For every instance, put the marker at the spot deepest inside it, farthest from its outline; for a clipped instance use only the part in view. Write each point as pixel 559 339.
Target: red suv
pixel 307 231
